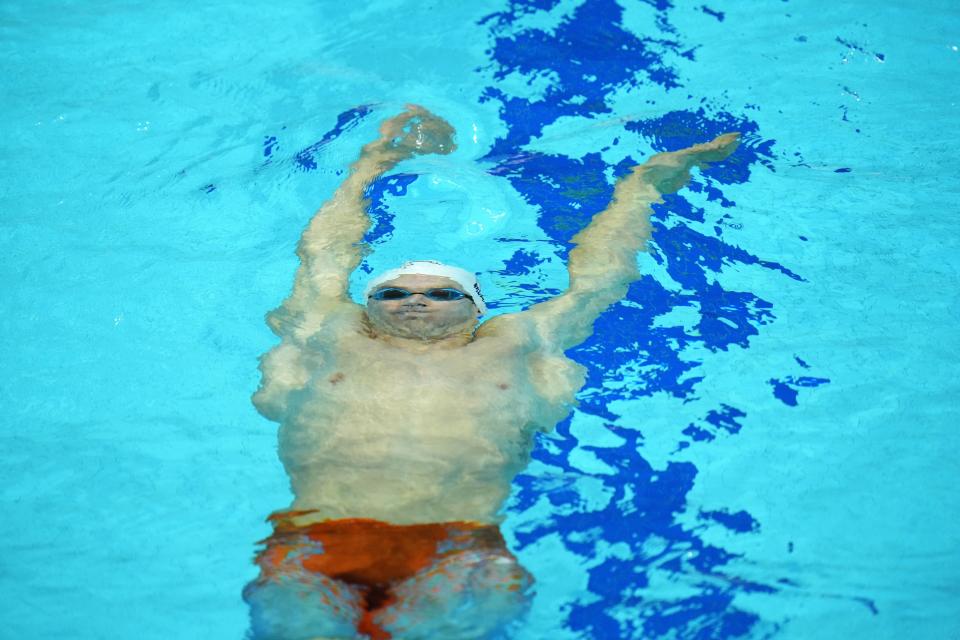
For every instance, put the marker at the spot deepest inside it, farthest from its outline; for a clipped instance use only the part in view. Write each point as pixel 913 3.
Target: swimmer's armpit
pixel 283 371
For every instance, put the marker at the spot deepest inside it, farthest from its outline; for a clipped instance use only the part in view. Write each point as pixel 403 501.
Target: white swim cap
pixel 464 278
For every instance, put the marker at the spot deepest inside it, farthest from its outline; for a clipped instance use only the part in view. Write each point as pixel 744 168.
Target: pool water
pixel 766 444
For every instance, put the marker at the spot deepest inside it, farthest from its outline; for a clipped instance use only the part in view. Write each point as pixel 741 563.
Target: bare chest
pixel 476 383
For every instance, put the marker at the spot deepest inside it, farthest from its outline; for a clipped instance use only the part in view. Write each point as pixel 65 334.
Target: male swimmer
pixel 403 422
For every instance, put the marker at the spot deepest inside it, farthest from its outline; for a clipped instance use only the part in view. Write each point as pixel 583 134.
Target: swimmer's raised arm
pixel 330 248
pixel 603 263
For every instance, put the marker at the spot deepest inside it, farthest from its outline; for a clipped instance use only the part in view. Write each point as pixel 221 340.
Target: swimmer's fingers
pixel 717 149
pixel 383 150
pixel 415 131
pixel 393 127
pixel 433 134
pixel 670 170
pixel 416 109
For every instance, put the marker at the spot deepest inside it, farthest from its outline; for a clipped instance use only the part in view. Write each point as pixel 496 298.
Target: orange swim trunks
pixel 368 555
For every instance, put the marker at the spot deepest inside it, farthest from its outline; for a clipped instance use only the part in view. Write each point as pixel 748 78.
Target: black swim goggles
pixel 438 295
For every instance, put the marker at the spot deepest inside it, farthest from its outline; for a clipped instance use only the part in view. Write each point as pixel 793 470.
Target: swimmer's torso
pixel 379 432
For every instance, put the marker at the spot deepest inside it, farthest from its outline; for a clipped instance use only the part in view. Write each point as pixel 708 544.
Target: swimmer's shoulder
pixel 502 325
pixel 513 328
pixel 554 377
pixel 318 330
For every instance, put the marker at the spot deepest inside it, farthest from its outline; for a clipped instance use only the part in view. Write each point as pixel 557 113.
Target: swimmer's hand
pixel 670 171
pixel 416 131
pixel 717 149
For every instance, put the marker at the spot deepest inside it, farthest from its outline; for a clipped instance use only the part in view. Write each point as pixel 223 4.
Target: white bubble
pixel 475 227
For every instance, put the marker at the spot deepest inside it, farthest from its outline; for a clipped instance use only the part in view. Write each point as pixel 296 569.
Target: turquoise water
pixel 160 161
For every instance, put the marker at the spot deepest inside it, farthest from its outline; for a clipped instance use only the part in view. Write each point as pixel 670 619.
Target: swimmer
pixel 404 420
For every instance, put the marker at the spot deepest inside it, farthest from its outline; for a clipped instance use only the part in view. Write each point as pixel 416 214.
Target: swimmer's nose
pixel 416 300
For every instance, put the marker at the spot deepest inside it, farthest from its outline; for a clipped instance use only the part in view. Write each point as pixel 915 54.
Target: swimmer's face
pixel 418 316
